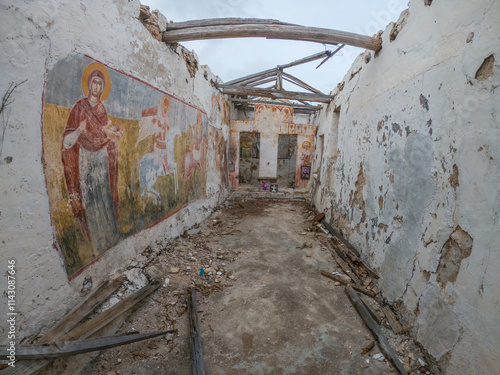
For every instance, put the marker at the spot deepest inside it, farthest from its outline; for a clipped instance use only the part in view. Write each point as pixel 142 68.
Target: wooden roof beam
pixel 276 94
pixel 273 31
pixel 293 105
pixel 270 72
pixel 222 21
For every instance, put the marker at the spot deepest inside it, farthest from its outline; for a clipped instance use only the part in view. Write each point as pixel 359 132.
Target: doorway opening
pixel 287 160
pixel 249 158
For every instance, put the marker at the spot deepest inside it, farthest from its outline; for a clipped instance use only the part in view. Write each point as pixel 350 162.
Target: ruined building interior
pixel 157 220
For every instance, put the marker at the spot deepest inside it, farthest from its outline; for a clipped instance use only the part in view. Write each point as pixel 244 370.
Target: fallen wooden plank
pixel 371 310
pixel 81 310
pixel 393 321
pixel 337 234
pixel 372 325
pixel 69 321
pixel 319 217
pixel 93 325
pixel 353 257
pixel 338 278
pixel 222 21
pixel 345 267
pixel 195 336
pixel 272 93
pixel 66 349
pixel 273 31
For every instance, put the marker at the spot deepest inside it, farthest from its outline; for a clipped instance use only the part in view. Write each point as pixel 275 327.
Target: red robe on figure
pixel 93 139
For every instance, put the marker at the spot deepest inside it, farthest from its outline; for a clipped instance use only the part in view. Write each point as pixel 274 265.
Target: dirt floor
pixel 264 307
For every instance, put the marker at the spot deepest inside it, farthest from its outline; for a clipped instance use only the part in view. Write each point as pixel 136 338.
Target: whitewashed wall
pixel 35 36
pixel 410 174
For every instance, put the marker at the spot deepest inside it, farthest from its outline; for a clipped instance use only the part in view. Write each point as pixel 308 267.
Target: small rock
pixel 188 267
pixel 422 363
pixel 378 356
pixel 119 360
pixel 219 273
pixel 193 231
pixel 337 283
pixel 166 282
pixel 174 269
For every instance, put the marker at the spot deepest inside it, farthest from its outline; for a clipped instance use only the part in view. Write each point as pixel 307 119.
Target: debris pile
pixel 356 276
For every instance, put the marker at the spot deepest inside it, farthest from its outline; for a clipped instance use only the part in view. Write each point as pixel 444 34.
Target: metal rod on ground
pixel 384 345
pixel 195 337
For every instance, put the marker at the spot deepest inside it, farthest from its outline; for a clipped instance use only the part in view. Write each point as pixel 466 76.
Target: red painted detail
pixel 150 112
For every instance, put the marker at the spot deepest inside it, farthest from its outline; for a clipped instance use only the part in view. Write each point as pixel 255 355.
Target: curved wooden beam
pixel 273 31
pixel 222 21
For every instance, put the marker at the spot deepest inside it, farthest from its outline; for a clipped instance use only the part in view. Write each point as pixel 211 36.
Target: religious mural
pixel 119 156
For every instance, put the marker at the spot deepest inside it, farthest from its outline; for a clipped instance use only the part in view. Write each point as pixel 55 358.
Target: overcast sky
pixel 234 58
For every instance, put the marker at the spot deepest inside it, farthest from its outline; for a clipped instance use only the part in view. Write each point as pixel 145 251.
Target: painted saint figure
pixel 90 160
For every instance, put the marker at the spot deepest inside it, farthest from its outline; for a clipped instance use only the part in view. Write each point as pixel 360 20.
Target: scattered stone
pixel 337 283
pixel 378 356
pixel 422 363
pixel 136 278
pixel 174 269
pixel 367 346
pixel 166 282
pixel 193 231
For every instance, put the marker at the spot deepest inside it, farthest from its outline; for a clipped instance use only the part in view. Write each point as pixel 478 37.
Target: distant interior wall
pixel 91 178
pixel 271 121
pixel 407 167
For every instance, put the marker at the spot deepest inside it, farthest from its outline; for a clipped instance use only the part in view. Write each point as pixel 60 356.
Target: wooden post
pixel 279 79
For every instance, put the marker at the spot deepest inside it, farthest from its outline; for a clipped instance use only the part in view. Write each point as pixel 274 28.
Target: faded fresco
pixel 119 156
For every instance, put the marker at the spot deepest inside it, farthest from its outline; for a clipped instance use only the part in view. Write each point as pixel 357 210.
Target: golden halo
pixel 85 77
pixel 164 100
pixel 306 143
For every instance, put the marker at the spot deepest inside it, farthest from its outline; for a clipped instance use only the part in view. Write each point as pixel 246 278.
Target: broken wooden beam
pixel 339 279
pixel 300 83
pixel 81 310
pixel 273 71
pixel 272 31
pixel 351 257
pixel 393 321
pixel 93 325
pixel 271 93
pixel 195 336
pixel 371 310
pixel 66 349
pixel 384 345
pixel 334 232
pixel 222 21
pixel 345 267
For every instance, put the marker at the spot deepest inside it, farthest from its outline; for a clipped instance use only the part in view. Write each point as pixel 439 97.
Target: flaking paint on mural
pixel 119 156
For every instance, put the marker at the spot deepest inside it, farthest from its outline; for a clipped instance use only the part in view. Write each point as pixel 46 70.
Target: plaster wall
pixel 412 175
pixel 36 38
